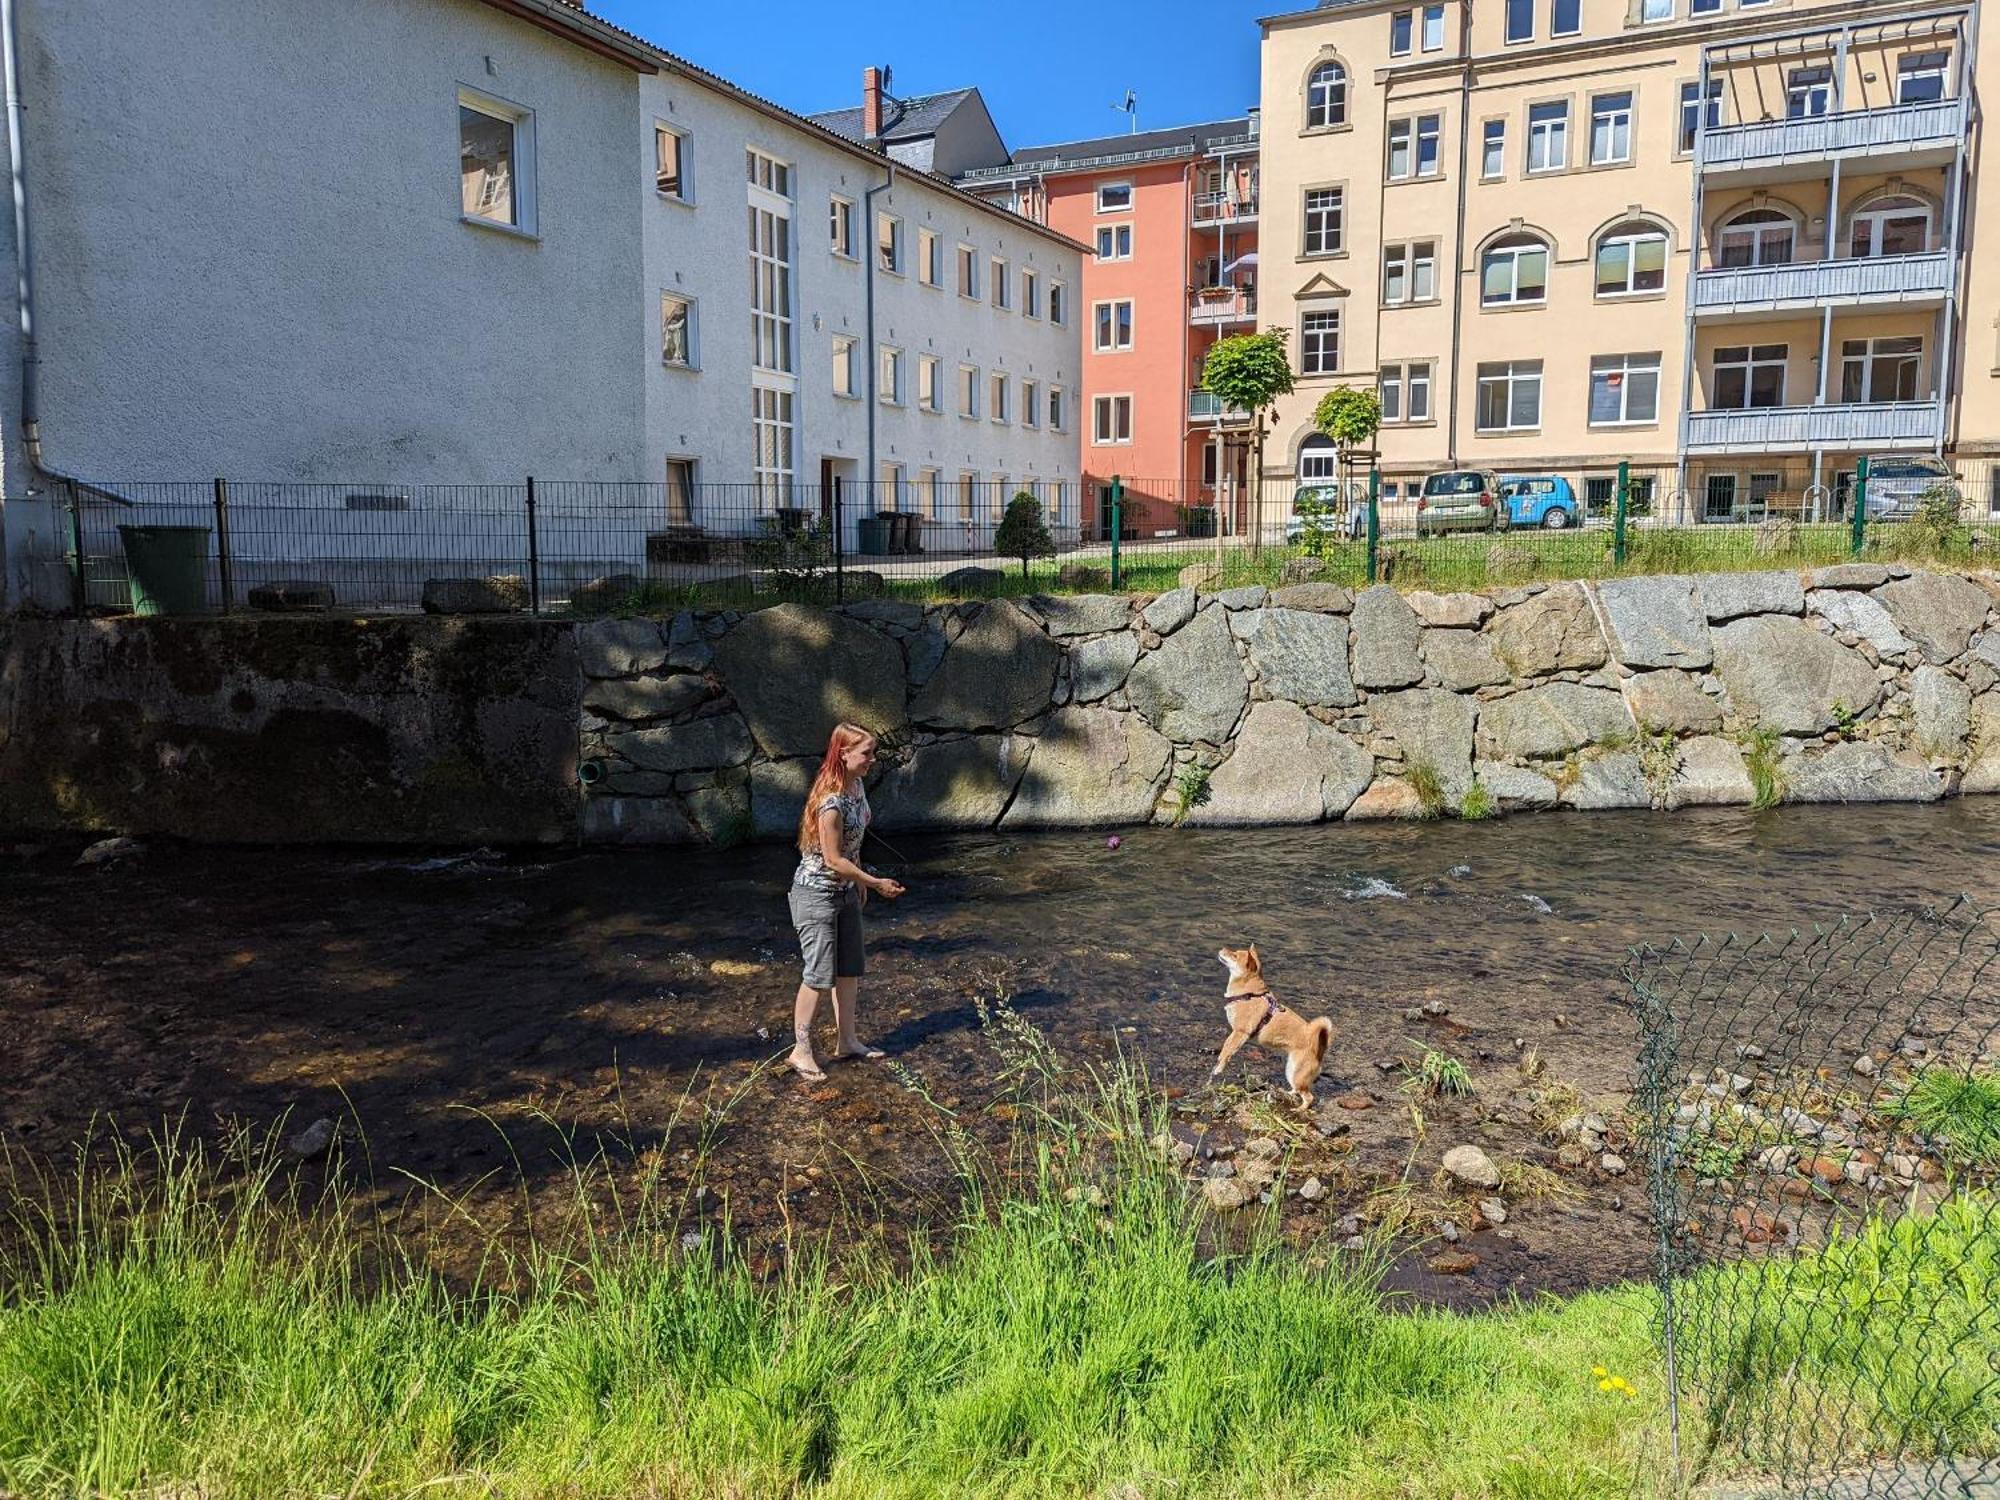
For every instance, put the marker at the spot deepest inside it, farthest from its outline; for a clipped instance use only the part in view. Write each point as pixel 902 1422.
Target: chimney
pixel 871 107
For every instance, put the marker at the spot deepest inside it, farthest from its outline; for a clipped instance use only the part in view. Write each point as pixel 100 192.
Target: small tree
pixel 1351 418
pixel 1249 372
pixel 1021 532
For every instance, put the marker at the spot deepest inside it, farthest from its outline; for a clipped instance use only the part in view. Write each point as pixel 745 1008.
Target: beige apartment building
pixel 1730 241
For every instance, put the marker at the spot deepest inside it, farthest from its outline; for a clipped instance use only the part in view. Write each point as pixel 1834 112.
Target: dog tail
pixel 1322 1036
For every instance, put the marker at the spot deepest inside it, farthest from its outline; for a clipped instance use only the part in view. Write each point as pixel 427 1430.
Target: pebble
pixel 1865 1065
pixel 1776 1160
pixel 1572 1156
pixel 1312 1190
pixel 1354 1242
pixel 1266 1147
pixel 1471 1166
pixel 1436 1009
pixel 1454 1262
pixel 1356 1101
pixel 1448 1232
pixel 1220 1171
pixel 1612 1164
pixel 1413 1013
pixel 311 1141
pixel 1349 1226
pixel 1222 1194
pixel 1492 1210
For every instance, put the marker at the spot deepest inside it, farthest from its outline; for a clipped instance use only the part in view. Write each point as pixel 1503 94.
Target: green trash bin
pixel 168 568
pixel 871 536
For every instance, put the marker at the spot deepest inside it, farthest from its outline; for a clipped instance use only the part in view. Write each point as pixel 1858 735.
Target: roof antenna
pixel 1131 108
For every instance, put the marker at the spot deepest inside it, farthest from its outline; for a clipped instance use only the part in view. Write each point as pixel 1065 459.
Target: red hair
pixel 831 780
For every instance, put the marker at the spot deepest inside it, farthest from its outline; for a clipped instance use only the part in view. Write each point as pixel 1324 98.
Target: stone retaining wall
pixel 1853 683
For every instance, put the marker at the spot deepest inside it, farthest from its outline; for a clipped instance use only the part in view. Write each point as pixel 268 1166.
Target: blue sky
pixel 1049 71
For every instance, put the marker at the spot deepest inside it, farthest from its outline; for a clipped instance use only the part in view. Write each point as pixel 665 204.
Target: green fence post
pixel 1618 520
pixel 1859 520
pixel 1117 525
pixel 1374 523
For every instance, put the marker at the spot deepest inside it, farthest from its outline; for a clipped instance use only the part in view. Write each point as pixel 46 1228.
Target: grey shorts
pixel 829 924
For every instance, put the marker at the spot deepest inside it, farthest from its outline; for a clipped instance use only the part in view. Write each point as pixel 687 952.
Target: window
pixel 1890 226
pixel 1718 500
pixel 1433 28
pixel 1031 403
pixel 1883 369
pixel 680 491
pixel 1409 272
pixel 1610 129
pixel 1111 420
pixel 840 227
pixel 1565 17
pixel 889 243
pixel 1319 342
pixel 1520 20
pixel 496 176
pixel 1704 7
pixel 1402 32
pixel 1323 221
pixel 930 258
pixel 1406 393
pixel 929 398
pixel 767 172
pixel 1656 10
pixel 1114 197
pixel 1493 149
pixel 1548 136
pixel 770 268
pixel 1058 305
pixel 968 271
pixel 1514 273
pixel 1747 376
pixel 1326 97
pixel 670 163
pixel 928 481
pixel 1413 147
pixel 845 380
pixel 889 487
pixel 676 331
pixel 1031 294
pixel 889 376
pixel 1631 257
pixel 1693 117
pixel 998 404
pixel 968 390
pixel 1510 396
pixel 1624 389
pixel 1114 326
pixel 968 494
pixel 1756 237
pixel 1114 242
pixel 771 430
pixel 1920 77
pixel 1808 93
pixel 1003 285
pixel 1058 415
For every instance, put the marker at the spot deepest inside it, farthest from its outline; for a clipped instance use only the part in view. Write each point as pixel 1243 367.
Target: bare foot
pixel 854 1047
pixel 806 1066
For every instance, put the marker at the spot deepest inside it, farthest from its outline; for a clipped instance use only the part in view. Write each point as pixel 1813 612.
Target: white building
pixel 354 248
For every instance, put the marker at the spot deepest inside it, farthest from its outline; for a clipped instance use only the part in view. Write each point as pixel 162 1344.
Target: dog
pixel 1254 1015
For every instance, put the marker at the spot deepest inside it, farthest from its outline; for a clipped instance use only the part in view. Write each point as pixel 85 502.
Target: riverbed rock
pixel 1982 774
pixel 1709 772
pixel 1553 631
pixel 1287 767
pixel 1472 1167
pixel 1099 668
pixel 1302 656
pixel 1386 637
pixel 618 648
pixel 1223 1195
pixel 1515 788
pixel 1462 659
pixel 952 783
pixel 972 582
pixel 1850 576
pixel 1730 596
pixel 1091 767
pixel 1939 611
pixel 1451 611
pixel 1322 598
pixel 797 671
pixel 1860 614
pixel 1082 614
pixel 1941 713
pixel 999 672
pixel 1170 611
pixel 636 698
pixel 778 794
pixel 1193 687
pixel 1432 727
pixel 1786 676
pixel 1610 781
pixel 1655 621
pixel 721 812
pixel 1861 771
pixel 1551 720
pixel 641 820
pixel 1672 701
pixel 1387 797
pixel 704 745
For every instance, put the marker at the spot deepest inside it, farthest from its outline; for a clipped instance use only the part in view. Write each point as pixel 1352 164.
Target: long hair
pixel 828 782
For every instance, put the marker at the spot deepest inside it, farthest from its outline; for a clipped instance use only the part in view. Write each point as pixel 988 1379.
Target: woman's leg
pixel 850 963
pixel 816 916
pixel 803 1061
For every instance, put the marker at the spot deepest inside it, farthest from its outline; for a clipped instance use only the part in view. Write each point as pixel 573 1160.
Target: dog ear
pixel 1253 954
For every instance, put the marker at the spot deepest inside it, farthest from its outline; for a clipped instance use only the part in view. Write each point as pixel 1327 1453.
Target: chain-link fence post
pixel 80 583
pixel 1858 522
pixel 1117 527
pixel 1374 523
pixel 222 564
pixel 534 554
pixel 1624 503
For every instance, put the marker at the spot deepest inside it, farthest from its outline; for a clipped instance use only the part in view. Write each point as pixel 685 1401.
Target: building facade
pixel 1727 240
pixel 1170 217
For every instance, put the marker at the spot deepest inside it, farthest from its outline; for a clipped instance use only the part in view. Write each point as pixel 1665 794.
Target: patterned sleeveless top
pixel 855 815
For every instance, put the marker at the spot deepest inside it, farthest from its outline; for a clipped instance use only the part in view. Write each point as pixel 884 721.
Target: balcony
pixel 1206 406
pixel 1901 281
pixel 1891 138
pixel 1801 429
pixel 1212 209
pixel 1217 305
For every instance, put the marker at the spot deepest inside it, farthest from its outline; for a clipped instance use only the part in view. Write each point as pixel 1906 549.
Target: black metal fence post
pixel 839 545
pixel 534 554
pixel 1624 501
pixel 222 564
pixel 1117 527
pixel 80 596
pixel 1859 520
pixel 1374 524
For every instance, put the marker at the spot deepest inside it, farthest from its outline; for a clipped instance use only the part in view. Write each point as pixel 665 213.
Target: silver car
pixel 1899 483
pixel 1462 500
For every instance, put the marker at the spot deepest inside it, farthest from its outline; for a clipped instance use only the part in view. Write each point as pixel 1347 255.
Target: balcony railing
pixel 1224 305
pixel 1206 406
pixel 1877 279
pixel 1223 208
pixel 1896 129
pixel 1773 429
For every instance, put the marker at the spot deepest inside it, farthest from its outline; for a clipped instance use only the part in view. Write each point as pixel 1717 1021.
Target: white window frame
pixel 1323 226
pixel 1399 386
pixel 889 481
pixel 1772 226
pixel 1932 64
pixel 1111 306
pixel 1109 201
pixel 1319 340
pixel 1808 92
pixel 1432 19
pixel 1551 134
pixel 1621 371
pixel 1031 403
pixel 1410 134
pixel 930 258
pixel 840 226
pixel 888 375
pixel 1031 293
pixel 1599 115
pixel 1870 357
pixel 968 393
pixel 846 385
pixel 1518 22
pixel 927 493
pixel 690 337
pixel 1058 410
pixel 1401 261
pixel 1402 33
pixel 897 263
pixel 1326 95
pixel 999 397
pixel 1105 411
pixel 683 190
pixel 524 218
pixel 968 271
pixel 1873 218
pixel 1492 150
pixel 1059 303
pixel 930 372
pixel 1690 104
pixel 1755 357
pixel 1114 242
pixel 1514 253
pixel 998 277
pixel 1556 28
pixel 1653 12
pixel 1508 373
pixel 1631 241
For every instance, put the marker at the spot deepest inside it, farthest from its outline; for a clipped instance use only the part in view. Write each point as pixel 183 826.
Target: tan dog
pixel 1255 1016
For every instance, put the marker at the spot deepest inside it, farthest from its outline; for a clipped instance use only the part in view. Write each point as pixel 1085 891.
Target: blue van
pixel 1545 500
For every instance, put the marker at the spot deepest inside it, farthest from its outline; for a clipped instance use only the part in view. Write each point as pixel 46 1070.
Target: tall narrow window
pixel 770 265
pixel 968 271
pixel 1058 304
pixel 998 404
pixel 1031 403
pixel 1493 149
pixel 676 331
pixel 1402 33
pixel 1520 20
pixel 929 398
pixel 1694 117
pixel 1433 28
pixel 968 390
pixel 494 166
pixel 1548 136
pixel 670 162
pixel 1610 129
pixel 771 423
pixel 889 376
pixel 1326 96
pixel 840 227
pixel 1324 233
pixel 1058 421
pixel 1031 294
pixel 1319 342
pixel 845 381
pixel 889 243
pixel 1565 17
pixel 1003 285
pixel 930 258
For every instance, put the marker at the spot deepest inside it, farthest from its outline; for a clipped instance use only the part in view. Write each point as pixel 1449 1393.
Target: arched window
pixel 1756 237
pixel 1514 272
pixel 1319 460
pixel 1899 225
pixel 1326 96
pixel 1631 257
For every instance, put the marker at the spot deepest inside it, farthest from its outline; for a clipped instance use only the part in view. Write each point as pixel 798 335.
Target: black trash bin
pixel 871 536
pixel 892 530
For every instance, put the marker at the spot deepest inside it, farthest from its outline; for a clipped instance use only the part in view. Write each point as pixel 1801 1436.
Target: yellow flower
pixel 1604 1385
pixel 1599 1371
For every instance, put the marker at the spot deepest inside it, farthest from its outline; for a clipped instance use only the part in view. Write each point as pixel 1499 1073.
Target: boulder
pixel 1200 575
pixel 1672 701
pixel 1328 599
pixel 925 648
pixel 952 783
pixel 639 820
pixel 1471 1167
pixel 1433 728
pixel 1386 797
pixel 999 672
pixel 634 698
pixel 601 594
pixel 1287 767
pixel 1170 611
pixel 972 583
pixel 1941 708
pixel 1386 637
pixel 1730 596
pixel 1082 576
pixel 1462 659
pixel 1551 720
pixel 796 671
pixel 1859 771
pixel 503 594
pixel 1939 611
pixel 1857 613
pixel 1303 656
pixel 778 795
pixel 1250 596
pixel 1609 781
pixel 1091 767
pixel 688 648
pixel 1553 631
pixel 704 745
pixel 1082 614
pixel 1514 788
pixel 1784 675
pixel 901 613
pixel 292 598
pixel 721 813
pixel 1655 621
pixel 1986 648
pixel 1099 668
pixel 619 648
pixel 1451 611
pixel 1982 774
pixel 1193 687
pixel 1709 772
pixel 1850 576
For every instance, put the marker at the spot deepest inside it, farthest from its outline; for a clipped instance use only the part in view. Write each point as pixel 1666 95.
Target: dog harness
pixel 1271 1008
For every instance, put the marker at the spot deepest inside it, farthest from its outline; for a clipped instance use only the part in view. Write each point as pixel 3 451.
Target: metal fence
pixel 1821 1117
pixel 549 546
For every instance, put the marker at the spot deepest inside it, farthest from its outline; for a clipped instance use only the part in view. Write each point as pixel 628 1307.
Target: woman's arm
pixel 841 865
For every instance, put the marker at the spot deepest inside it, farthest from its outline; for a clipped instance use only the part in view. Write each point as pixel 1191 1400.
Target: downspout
pixel 24 252
pixel 1458 237
pixel 868 317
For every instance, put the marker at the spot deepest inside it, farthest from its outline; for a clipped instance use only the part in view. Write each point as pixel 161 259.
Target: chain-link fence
pixel 1821 1114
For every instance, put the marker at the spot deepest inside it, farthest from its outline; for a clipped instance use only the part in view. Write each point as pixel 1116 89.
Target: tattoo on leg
pixel 802 1033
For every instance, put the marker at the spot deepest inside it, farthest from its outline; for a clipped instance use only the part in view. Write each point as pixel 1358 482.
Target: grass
pixel 1478 805
pixel 1432 800
pixel 1764 760
pixel 1191 790
pixel 1439 1075
pixel 1959 1109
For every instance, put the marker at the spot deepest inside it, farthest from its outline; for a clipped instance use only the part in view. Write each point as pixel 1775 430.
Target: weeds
pixel 1659 762
pixel 1190 791
pixel 1958 1109
pixel 1424 780
pixel 1439 1075
pixel 1477 805
pixel 1763 759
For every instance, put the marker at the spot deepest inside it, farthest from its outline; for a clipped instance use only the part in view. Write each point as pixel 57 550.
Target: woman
pixel 828 893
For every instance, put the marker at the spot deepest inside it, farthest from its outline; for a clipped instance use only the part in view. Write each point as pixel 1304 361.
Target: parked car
pixel 1329 511
pixel 1545 500
pixel 1899 483
pixel 1462 500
